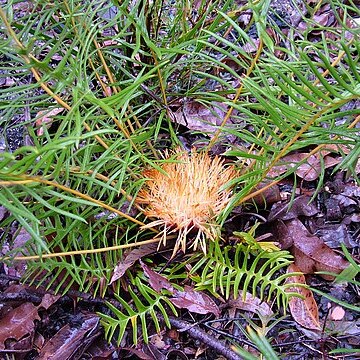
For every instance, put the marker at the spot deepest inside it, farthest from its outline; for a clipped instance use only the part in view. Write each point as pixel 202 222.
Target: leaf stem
pixel 81 252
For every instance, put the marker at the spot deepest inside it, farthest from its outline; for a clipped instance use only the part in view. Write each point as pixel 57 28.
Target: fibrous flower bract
pixel 186 195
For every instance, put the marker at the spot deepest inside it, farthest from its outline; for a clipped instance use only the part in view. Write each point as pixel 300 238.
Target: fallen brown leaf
pixel 18 323
pixel 252 304
pixel 349 329
pixel 48 300
pixel 268 196
pixel 157 281
pixel 71 340
pixel 130 260
pixel 195 301
pixel 310 170
pixel 3 212
pixel 101 349
pixel 196 116
pixel 304 311
pixel 301 206
pixel 145 353
pixel 333 235
pixel 310 252
pixel 45 118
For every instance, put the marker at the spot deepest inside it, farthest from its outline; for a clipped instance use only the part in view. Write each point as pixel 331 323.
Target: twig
pixel 198 334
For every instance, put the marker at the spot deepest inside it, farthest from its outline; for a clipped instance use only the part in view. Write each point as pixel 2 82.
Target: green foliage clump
pixel 108 74
pixel 241 268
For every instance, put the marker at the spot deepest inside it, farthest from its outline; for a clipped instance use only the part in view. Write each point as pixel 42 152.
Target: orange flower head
pixel 187 196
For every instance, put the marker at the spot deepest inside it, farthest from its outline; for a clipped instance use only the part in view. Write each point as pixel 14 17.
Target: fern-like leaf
pixel 244 268
pixel 138 313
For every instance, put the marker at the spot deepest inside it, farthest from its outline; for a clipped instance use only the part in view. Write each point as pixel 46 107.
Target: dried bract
pixel 187 196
